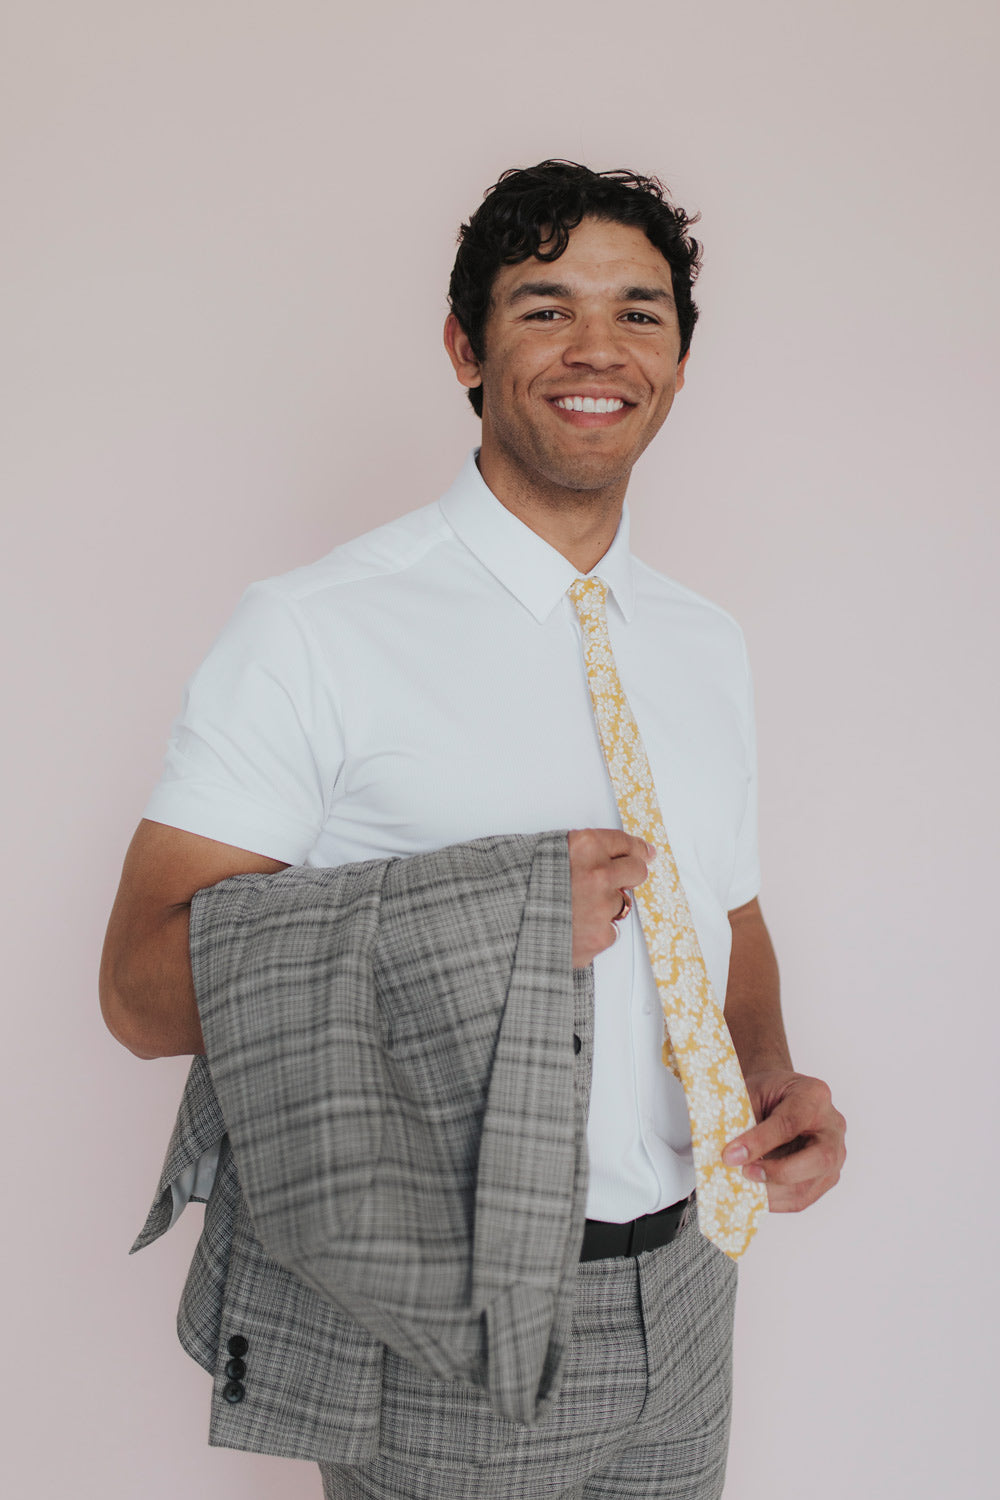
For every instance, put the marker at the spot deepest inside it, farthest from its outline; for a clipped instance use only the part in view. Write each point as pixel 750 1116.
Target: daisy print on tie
pixel 697 1044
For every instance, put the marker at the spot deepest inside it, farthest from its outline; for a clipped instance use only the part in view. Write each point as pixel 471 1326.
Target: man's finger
pixel 636 848
pixel 599 844
pixel 816 1157
pixel 792 1198
pixel 777 1130
pixel 628 872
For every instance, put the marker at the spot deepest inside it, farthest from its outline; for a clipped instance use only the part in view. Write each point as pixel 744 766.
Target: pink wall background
pixel 229 228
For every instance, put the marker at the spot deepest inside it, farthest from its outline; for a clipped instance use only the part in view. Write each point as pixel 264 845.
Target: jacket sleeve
pixel 192 1155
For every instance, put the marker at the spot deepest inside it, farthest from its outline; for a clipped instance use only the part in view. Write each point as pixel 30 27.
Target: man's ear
pixel 456 341
pixel 681 364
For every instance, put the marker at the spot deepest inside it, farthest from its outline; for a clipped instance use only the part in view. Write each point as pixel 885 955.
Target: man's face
pixel 597 329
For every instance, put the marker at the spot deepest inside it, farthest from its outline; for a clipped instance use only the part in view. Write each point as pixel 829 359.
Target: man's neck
pixel 581 524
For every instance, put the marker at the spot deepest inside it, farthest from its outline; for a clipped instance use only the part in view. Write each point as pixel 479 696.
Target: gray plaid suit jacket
pixel 397 1079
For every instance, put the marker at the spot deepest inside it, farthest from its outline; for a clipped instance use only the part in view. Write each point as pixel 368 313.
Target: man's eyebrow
pixel 538 289
pixel 646 294
pixel 560 290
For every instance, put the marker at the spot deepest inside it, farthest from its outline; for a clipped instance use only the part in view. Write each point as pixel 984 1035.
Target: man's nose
pixel 595 342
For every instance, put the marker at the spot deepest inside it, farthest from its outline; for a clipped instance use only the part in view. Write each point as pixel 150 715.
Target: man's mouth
pixel 589 403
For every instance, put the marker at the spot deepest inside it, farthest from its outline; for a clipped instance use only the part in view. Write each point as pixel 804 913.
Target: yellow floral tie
pixel 697 1045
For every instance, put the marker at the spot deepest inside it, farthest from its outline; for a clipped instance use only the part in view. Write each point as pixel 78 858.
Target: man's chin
pixel 565 468
pixel 590 474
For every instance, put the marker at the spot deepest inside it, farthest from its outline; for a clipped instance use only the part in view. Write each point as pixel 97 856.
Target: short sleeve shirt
pixel 423 685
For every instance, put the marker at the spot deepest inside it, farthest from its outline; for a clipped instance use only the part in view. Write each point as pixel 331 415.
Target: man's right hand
pixel 603 864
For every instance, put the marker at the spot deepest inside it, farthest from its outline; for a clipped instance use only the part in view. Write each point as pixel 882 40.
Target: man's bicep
pixel 752 948
pixel 749 911
pixel 165 866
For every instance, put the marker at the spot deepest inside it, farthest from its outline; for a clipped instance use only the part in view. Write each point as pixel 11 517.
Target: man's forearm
pixel 753 1002
pixel 797 1146
pixel 147 994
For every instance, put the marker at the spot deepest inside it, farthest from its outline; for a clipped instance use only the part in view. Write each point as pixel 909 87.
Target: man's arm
pixel 797 1148
pixel 146 987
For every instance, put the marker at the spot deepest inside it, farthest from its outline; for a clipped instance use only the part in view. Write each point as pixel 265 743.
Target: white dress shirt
pixel 423 685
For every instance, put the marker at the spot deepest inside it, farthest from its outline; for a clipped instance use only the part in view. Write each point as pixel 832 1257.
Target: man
pixel 425 685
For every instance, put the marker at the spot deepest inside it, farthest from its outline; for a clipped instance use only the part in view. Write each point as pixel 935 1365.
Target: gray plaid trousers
pixel 643 1411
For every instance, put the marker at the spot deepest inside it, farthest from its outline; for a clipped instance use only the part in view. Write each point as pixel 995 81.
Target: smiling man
pixel 498 663
pixel 583 368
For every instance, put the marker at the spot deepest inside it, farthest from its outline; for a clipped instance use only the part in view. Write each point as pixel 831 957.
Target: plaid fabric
pixel 643 1413
pixel 391 1055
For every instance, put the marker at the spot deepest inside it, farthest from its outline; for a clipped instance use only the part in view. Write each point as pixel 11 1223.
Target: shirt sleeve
pixel 745 882
pixel 257 747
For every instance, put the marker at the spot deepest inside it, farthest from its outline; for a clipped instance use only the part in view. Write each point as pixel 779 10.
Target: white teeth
pixel 590 403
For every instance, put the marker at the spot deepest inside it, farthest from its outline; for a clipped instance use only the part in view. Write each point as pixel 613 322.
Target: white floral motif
pixel 697 1045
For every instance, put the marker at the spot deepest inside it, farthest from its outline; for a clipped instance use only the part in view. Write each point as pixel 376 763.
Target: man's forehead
pixel 616 259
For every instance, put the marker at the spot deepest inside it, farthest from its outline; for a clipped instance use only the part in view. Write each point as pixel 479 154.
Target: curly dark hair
pixel 530 206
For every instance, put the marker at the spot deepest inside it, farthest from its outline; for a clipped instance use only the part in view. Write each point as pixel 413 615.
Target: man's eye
pixel 640 316
pixel 545 314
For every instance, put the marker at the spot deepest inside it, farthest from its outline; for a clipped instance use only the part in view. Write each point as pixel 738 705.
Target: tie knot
pixel 589 595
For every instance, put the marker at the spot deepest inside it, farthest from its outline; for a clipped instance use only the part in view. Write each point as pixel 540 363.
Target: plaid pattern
pixel 643 1413
pixel 392 1059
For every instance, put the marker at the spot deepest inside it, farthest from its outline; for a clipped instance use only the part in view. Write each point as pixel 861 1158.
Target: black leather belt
pixel 602 1240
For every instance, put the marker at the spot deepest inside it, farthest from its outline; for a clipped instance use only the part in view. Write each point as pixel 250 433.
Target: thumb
pixel 777 1130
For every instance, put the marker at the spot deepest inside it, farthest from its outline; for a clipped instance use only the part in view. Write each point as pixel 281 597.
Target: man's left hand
pixel 798 1147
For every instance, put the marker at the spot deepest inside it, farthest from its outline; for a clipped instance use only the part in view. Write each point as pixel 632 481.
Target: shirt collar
pixel 535 573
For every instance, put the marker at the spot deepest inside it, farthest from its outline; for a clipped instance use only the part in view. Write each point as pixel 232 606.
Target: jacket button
pixel 236 1369
pixel 577 1044
pixel 238 1345
pixel 233 1392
